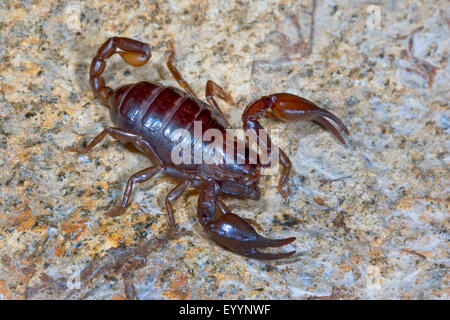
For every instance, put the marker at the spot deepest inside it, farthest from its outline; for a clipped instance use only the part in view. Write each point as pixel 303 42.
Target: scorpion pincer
pixel 146 113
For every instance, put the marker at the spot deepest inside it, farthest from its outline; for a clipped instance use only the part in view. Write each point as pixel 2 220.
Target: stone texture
pixel 371 217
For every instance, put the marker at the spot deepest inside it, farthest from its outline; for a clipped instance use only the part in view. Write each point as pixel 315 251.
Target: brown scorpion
pixel 146 113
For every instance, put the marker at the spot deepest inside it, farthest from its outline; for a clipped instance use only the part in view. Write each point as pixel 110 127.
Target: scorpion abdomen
pixel 156 111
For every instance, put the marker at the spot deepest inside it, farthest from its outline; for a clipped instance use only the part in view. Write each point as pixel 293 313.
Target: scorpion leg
pixel 141 176
pixel 123 136
pixel 91 144
pixel 213 89
pixel 171 197
pixel 138 177
pixel 176 74
pixel 287 107
pixel 234 232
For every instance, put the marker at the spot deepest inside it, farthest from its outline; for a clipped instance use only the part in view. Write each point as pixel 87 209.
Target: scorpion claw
pixel 289 107
pixel 236 234
pixel 327 125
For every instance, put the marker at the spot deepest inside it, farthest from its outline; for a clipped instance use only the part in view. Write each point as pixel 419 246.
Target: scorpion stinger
pixel 134 52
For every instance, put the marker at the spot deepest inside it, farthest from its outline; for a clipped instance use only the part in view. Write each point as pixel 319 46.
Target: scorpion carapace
pixel 146 114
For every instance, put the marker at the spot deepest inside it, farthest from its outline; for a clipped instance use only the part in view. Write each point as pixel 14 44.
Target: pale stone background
pixel 371 217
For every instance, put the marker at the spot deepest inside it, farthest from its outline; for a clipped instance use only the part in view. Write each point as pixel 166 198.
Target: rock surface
pixel 371 217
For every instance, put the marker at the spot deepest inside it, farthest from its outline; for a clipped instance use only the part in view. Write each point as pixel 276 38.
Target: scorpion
pixel 146 113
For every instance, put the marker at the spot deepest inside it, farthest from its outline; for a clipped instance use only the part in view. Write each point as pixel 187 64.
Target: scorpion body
pixel 147 114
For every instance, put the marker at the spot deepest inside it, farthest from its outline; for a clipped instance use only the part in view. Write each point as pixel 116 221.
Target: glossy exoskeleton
pixel 146 114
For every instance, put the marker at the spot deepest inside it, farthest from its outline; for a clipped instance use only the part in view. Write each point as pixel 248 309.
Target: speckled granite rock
pixel 371 217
